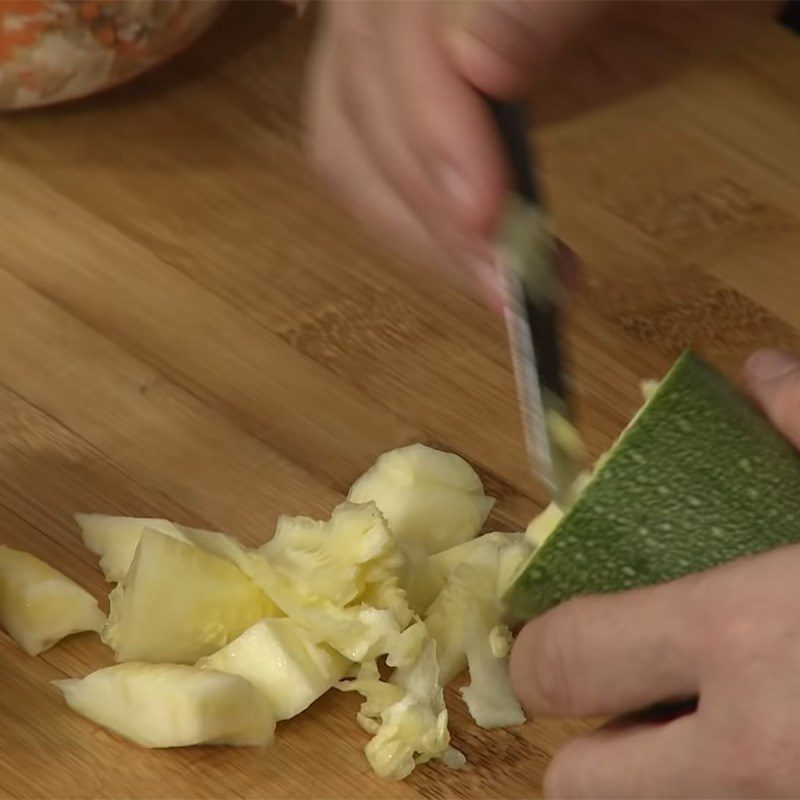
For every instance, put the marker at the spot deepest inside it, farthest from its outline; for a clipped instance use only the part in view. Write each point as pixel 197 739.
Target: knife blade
pixel 528 258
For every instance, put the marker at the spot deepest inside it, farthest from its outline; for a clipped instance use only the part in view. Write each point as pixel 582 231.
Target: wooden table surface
pixel 189 328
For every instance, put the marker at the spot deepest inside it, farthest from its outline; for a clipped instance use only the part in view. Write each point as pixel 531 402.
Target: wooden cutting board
pixel 190 329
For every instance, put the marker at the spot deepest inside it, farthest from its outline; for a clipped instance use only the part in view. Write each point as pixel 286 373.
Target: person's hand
pixel 396 126
pixel 399 131
pixel 729 636
pixel 404 141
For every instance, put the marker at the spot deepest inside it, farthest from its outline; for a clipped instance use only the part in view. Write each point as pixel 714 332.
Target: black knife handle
pixel 512 124
pixel 542 318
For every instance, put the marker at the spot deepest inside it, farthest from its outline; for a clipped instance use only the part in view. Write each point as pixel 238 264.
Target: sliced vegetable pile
pixel 218 642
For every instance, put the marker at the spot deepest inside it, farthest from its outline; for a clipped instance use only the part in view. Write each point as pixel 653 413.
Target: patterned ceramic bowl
pixel 57 50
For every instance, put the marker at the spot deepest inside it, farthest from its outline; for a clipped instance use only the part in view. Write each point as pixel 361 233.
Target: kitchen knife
pixel 529 262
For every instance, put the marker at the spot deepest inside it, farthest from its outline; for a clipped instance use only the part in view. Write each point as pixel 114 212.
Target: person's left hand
pixel 729 636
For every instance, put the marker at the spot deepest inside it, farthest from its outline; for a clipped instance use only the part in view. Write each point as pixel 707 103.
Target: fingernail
pixel 457 187
pixel 769 365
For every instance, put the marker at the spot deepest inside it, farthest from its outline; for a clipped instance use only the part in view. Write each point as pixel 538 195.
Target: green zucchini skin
pixel 699 478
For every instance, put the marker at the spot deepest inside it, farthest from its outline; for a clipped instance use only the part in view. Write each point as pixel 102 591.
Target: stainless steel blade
pixel 529 260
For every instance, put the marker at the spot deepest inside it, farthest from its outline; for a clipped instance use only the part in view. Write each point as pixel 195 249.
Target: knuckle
pixel 737 636
pixel 505 42
pixel 750 634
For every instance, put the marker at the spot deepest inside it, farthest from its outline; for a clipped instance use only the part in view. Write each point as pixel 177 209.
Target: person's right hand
pixel 396 125
pixel 404 140
pixel 398 129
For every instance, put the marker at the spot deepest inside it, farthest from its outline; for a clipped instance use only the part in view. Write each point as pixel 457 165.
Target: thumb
pixel 773 379
pixel 502 47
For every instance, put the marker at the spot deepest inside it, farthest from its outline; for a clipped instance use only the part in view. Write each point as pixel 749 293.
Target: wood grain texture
pixel 189 328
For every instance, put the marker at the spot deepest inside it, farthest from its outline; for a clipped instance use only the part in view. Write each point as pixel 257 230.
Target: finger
pixel 366 98
pixel 333 147
pixel 368 101
pixel 639 761
pixel 336 151
pixel 608 654
pixel 773 379
pixel 504 46
pixel 444 120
